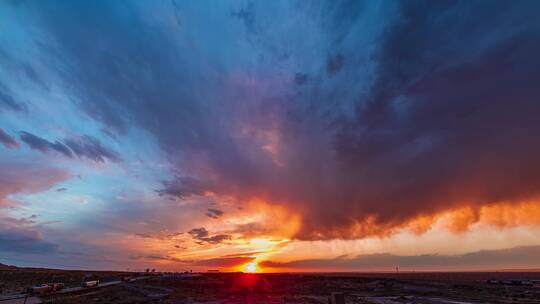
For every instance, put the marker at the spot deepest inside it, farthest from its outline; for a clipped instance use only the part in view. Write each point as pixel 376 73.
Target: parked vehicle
pixel 88 284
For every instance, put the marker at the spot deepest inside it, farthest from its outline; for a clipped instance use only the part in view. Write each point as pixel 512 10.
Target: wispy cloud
pixel 43 145
pixel 82 147
pixel 7 140
pixel 203 236
pixel 214 213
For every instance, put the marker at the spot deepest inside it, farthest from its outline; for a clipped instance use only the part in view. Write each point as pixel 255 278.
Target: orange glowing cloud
pixel 499 215
pixel 261 219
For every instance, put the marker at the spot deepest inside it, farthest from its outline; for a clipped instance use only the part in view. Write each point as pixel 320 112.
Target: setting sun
pixel 251 267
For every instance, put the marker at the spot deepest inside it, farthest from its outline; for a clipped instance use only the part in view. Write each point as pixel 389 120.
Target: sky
pixel 290 135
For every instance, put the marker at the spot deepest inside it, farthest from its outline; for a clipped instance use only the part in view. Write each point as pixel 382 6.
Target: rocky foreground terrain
pixel 426 288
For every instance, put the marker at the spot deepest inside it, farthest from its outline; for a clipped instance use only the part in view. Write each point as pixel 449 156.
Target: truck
pixel 45 288
pixel 89 284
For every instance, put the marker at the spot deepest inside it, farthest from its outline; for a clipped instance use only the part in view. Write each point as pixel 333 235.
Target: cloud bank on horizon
pixel 246 126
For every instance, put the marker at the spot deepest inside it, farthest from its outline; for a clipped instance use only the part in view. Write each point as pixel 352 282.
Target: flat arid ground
pixel 15 280
pixel 431 288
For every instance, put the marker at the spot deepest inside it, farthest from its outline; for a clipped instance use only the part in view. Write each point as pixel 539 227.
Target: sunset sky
pixel 283 135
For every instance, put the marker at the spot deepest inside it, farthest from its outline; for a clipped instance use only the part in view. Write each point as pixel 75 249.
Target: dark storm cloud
pixel 203 236
pixel 8 140
pixel 82 147
pixel 411 107
pixel 518 257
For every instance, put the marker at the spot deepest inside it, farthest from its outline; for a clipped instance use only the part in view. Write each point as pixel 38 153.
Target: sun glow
pixel 251 267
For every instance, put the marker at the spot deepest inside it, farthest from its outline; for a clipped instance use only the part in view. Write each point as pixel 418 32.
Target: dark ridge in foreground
pixel 390 288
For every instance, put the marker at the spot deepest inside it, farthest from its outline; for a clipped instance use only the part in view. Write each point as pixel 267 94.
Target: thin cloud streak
pixel 82 147
pixel 518 257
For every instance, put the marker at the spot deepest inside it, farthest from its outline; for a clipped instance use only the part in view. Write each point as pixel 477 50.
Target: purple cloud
pixel 82 147
pixel 7 140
